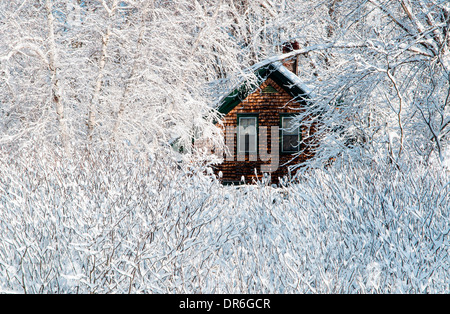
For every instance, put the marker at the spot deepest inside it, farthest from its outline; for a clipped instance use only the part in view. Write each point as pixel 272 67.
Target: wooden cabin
pixel 261 136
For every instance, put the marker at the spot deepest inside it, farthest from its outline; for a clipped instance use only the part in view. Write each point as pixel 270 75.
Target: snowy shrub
pixel 127 223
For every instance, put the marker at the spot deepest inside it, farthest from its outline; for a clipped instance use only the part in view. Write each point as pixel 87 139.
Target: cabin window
pixel 290 135
pixel 247 134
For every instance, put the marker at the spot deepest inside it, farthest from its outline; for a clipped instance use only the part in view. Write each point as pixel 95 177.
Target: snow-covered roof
pixel 294 78
pixel 274 70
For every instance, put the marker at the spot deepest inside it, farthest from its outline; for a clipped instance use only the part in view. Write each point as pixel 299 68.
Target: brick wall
pixel 269 107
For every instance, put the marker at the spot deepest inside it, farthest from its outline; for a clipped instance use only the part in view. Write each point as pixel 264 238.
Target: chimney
pixel 292 63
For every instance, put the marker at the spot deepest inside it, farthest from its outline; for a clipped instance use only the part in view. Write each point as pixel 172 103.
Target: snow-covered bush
pixel 113 222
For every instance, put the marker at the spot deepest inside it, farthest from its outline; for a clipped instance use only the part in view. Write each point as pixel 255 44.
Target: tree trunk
pixel 55 87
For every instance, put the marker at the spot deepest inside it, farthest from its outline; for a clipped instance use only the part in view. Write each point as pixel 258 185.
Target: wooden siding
pixel 269 107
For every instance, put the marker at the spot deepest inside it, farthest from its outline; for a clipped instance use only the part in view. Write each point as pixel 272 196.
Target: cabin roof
pixel 277 72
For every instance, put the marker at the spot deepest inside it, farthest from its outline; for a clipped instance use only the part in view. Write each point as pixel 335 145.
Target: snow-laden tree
pixel 382 83
pixel 102 71
pixel 147 72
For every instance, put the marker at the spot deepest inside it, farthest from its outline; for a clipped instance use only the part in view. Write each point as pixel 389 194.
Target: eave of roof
pixel 276 71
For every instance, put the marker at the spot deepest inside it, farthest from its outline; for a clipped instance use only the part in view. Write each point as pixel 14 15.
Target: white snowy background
pixel 94 200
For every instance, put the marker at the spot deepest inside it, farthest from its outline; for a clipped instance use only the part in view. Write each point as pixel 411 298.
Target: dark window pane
pixel 290 143
pixel 247 134
pixel 290 135
pixel 247 142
